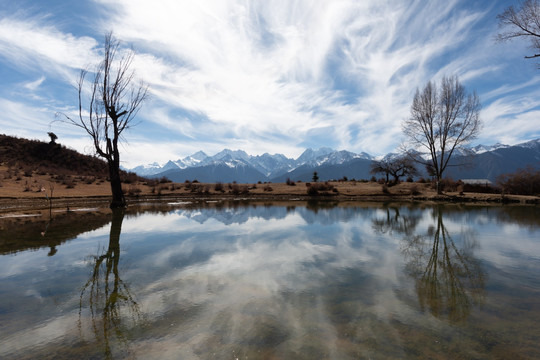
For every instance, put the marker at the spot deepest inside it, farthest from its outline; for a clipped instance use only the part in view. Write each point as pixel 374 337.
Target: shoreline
pixel 22 204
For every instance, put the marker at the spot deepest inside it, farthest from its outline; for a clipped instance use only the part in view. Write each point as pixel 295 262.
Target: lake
pixel 284 280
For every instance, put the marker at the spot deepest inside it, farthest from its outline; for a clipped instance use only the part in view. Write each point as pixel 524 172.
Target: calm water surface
pixel 282 281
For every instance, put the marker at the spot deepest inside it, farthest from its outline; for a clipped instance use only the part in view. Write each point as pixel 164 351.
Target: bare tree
pixel 114 101
pixel 523 22
pixel 442 122
pixel 396 167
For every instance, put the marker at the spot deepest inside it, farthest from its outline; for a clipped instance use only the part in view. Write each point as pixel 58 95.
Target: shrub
pixel 133 191
pixel 415 190
pixel 69 182
pixel 268 188
pixel 448 184
pixel 290 182
pixel 219 187
pixel 319 188
pixel 239 189
pixel 130 177
pixel 523 182
pixel 312 190
pixel 164 180
pixel 195 188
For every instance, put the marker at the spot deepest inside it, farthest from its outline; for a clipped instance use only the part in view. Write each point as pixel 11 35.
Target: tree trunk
pixel 118 199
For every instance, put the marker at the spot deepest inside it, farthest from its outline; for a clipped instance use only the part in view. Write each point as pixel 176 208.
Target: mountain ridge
pixel 236 165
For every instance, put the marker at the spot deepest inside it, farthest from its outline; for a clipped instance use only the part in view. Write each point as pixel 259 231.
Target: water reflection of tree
pixel 449 280
pixel 396 222
pixel 107 295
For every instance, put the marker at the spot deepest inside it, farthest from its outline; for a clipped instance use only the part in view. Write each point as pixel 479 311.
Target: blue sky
pixel 264 76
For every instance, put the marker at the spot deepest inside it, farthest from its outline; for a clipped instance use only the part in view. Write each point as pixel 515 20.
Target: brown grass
pixel 16 184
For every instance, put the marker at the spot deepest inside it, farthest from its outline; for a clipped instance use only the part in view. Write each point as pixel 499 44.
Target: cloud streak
pixel 282 75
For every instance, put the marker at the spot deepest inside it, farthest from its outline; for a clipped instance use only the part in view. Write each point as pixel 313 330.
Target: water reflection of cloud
pixel 263 270
pixel 293 281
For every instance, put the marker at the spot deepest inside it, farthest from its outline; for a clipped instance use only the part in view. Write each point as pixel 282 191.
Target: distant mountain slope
pixel 55 159
pixel 502 160
pixel 215 173
pixel 39 155
pixel 236 165
pixel 355 168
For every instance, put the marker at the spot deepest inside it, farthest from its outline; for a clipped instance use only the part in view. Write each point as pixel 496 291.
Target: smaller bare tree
pixel 113 102
pixel 523 22
pixel 396 167
pixel 442 122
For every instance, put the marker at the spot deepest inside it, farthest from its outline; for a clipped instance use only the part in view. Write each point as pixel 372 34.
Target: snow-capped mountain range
pixel 236 165
pixel 267 164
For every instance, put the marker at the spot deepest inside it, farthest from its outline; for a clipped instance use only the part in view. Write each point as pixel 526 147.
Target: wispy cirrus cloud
pixel 34 44
pixel 277 76
pixel 293 67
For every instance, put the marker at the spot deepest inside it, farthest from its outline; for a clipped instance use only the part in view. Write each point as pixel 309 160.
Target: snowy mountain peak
pixel 199 155
pixel 533 144
pixel 233 154
pixel 267 164
pixel 310 155
pixel 480 149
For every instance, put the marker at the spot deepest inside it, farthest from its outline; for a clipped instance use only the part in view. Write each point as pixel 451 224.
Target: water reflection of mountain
pixel 323 213
pixel 331 212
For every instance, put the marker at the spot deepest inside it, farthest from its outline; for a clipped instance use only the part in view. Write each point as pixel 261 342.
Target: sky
pixel 264 76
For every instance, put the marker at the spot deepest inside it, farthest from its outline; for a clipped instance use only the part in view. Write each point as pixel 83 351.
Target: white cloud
pixel 31 43
pixel 274 76
pixel 34 85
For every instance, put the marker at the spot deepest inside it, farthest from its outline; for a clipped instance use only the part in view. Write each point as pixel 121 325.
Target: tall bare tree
pixel 523 22
pixel 442 122
pixel 108 103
